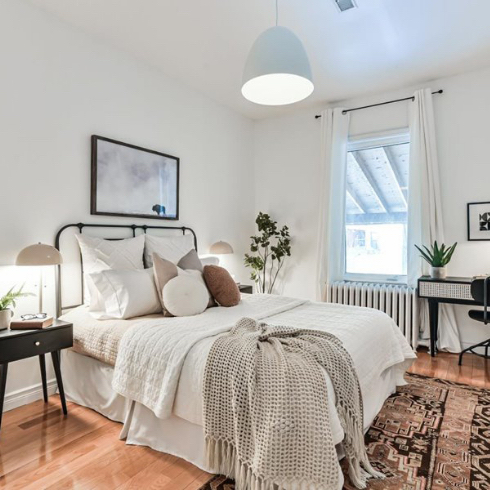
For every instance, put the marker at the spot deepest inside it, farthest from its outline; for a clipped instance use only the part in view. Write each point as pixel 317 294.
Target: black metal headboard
pixel 81 227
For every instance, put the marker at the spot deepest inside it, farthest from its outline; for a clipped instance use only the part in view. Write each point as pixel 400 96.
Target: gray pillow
pixel 190 261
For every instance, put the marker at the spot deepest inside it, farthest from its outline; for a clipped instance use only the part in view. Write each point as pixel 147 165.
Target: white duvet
pixel 160 362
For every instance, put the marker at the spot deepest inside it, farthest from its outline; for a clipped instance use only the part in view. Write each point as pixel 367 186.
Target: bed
pixel 91 369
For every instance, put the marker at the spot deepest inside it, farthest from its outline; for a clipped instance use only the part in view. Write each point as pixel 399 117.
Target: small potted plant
pixel 438 258
pixel 9 300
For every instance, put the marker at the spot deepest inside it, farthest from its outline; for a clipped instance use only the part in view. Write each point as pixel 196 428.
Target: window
pixel 376 197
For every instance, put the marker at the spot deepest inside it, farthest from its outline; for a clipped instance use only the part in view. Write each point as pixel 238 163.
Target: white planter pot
pixel 5 316
pixel 438 272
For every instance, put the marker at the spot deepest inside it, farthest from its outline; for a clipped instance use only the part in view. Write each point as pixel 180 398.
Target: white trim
pixel 364 142
pixel 465 345
pixel 27 395
pixel 375 140
pixel 375 278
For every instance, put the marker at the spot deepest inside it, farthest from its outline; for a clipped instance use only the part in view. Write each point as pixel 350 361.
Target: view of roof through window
pixel 376 210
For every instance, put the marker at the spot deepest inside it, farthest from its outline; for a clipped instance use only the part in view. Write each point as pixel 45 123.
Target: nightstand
pixel 246 288
pixel 21 344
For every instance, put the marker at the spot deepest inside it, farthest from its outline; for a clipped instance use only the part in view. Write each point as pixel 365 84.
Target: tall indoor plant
pixel 270 247
pixel 6 301
pixel 438 258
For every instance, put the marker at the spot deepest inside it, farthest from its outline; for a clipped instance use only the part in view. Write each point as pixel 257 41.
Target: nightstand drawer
pixel 35 343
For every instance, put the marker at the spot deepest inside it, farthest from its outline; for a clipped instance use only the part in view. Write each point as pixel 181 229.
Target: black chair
pixel 480 290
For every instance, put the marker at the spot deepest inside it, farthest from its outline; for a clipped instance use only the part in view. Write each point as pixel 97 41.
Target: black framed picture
pixel 128 180
pixel 479 221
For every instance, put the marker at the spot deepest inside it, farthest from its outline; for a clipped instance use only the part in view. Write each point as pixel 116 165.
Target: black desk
pixel 455 290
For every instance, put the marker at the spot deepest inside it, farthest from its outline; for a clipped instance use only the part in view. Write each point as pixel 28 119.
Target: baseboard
pixel 27 395
pixel 480 350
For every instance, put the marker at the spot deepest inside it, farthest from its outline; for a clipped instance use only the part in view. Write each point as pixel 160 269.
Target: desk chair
pixel 480 290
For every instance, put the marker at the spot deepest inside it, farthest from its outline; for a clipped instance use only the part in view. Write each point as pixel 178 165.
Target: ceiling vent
pixel 344 5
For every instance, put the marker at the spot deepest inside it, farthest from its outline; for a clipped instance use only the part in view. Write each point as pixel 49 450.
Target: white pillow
pixel 99 254
pixel 185 295
pixel 123 294
pixel 171 248
pixel 209 260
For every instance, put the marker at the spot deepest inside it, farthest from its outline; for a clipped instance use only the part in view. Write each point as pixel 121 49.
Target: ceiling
pixel 382 45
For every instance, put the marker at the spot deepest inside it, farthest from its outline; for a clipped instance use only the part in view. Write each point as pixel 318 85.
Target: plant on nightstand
pixel 9 300
pixel 271 246
pixel 438 258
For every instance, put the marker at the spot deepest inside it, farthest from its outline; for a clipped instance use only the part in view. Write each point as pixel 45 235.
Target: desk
pixel 455 290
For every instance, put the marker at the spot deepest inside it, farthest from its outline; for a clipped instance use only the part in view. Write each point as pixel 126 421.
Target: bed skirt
pixel 88 382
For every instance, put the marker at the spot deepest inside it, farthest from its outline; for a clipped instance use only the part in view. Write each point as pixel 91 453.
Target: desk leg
pixel 42 365
pixel 434 324
pixel 3 381
pixel 55 355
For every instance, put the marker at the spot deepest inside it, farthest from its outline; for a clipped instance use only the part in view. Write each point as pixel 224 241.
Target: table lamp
pixel 39 255
pixel 221 248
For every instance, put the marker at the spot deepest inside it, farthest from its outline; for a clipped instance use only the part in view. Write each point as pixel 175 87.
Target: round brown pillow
pixel 221 285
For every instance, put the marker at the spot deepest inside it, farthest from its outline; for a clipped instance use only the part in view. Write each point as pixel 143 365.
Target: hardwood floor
pixel 40 449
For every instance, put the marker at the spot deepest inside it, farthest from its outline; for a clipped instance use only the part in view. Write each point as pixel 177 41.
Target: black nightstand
pixel 246 289
pixel 21 344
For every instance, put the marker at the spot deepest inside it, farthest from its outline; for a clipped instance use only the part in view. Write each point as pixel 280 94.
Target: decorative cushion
pixel 164 271
pixel 171 248
pixel 99 254
pixel 185 295
pixel 191 261
pixel 123 294
pixel 221 285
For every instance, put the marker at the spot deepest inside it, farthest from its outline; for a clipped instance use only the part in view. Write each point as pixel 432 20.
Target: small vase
pixel 5 316
pixel 438 272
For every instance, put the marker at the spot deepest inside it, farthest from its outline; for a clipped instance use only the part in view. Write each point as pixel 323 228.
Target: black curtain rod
pixel 381 103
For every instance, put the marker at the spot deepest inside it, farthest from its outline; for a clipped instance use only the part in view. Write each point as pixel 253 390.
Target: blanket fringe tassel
pixel 222 458
pixel 359 475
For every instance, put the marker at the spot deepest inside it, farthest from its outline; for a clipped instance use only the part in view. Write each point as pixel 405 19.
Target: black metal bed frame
pixel 81 226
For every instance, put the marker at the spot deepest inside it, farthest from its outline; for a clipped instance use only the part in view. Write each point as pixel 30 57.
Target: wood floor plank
pixel 41 449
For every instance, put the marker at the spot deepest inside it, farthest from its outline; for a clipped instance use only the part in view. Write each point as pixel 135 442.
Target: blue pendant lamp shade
pixel 277 71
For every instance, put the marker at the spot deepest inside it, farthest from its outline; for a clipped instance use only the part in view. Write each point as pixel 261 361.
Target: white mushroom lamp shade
pixel 221 248
pixel 39 254
pixel 277 71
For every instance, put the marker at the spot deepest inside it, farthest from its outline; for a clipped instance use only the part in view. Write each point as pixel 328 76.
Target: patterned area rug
pixel 430 435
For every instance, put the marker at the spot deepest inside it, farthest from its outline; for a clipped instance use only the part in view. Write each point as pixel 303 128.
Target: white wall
pixel 287 161
pixel 58 87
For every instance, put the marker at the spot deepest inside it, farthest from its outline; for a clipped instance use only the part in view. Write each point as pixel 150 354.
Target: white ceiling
pixel 382 45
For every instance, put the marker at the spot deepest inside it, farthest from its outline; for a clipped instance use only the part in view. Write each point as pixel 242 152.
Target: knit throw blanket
pixel 266 416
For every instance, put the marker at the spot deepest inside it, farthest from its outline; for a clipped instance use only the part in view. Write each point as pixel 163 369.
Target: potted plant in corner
pixel 9 300
pixel 271 246
pixel 438 258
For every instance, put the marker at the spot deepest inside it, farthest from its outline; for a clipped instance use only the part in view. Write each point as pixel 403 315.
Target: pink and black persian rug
pixel 431 434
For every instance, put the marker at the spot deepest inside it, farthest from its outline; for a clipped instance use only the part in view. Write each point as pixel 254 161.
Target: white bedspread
pixel 161 364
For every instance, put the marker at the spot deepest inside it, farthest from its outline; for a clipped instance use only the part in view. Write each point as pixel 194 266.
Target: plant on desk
pixel 6 301
pixel 438 258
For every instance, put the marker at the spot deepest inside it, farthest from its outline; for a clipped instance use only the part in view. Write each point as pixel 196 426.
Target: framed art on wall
pixel 128 180
pixel 478 221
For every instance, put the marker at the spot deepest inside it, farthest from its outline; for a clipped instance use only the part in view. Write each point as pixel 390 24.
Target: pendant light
pixel 277 71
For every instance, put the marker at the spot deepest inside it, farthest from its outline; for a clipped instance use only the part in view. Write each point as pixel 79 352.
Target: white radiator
pixel 398 301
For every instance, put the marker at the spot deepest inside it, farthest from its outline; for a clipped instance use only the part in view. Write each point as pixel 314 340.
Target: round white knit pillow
pixel 185 296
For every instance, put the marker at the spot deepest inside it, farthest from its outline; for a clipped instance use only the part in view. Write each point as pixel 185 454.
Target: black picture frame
pixel 94 208
pixel 478 235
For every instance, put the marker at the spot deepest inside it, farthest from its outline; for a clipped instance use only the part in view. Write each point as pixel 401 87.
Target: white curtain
pixel 334 137
pixel 425 211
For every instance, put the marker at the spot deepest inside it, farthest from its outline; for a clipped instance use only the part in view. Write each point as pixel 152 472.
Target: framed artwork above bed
pixel 128 180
